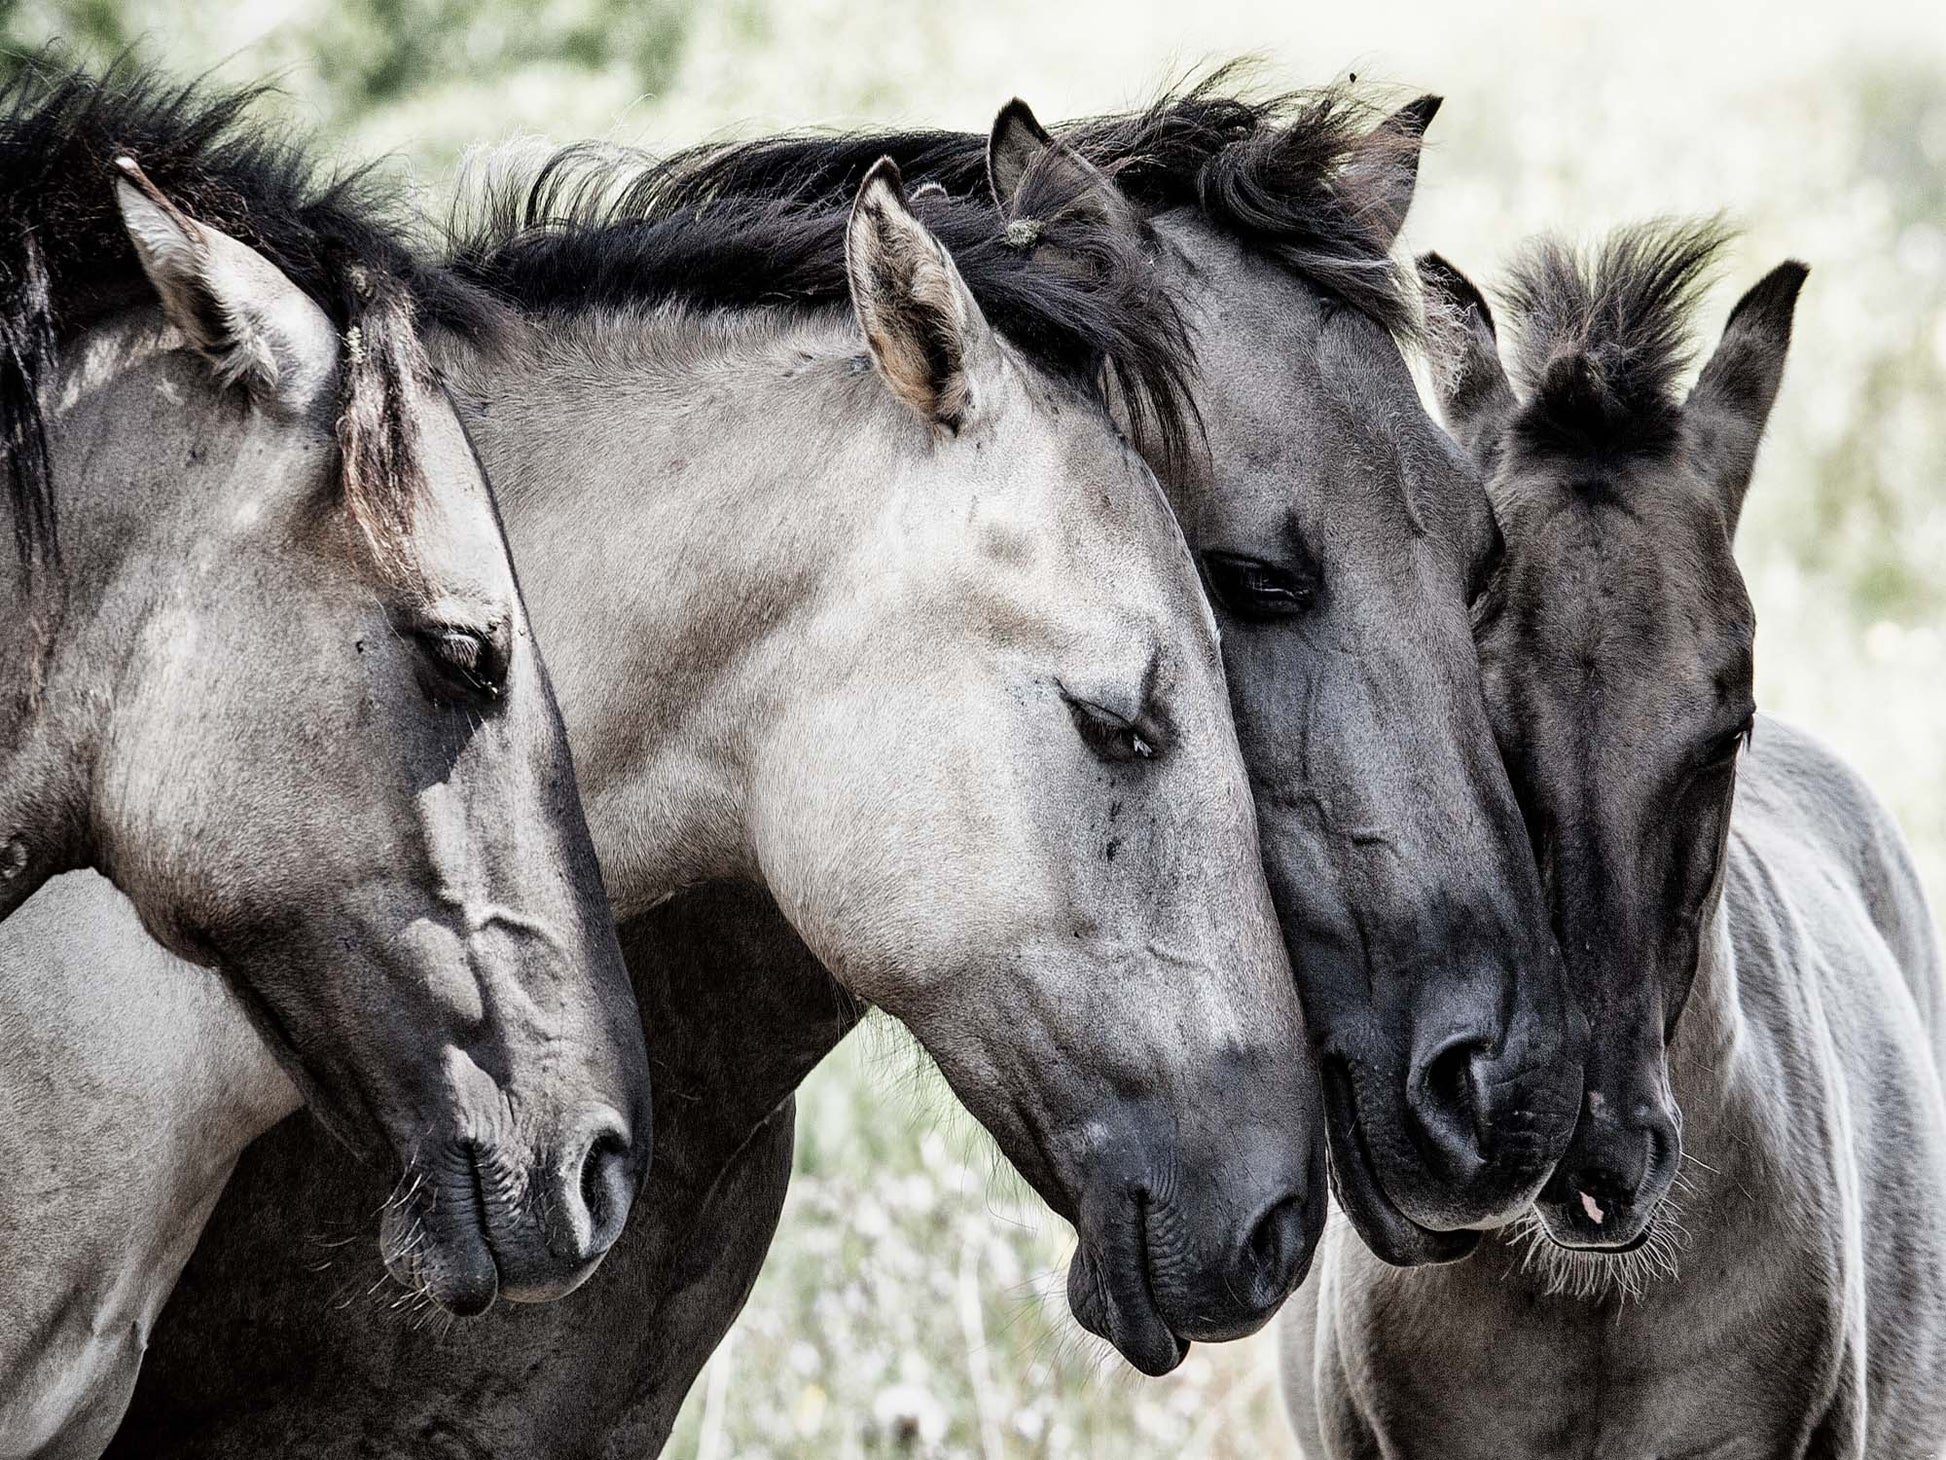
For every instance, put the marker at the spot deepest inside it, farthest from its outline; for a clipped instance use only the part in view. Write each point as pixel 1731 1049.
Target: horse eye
pixel 1253 589
pixel 473 661
pixel 1723 750
pixel 1108 735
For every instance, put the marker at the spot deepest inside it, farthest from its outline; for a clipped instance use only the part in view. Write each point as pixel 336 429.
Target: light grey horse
pixel 105 1034
pixel 264 663
pixel 1390 832
pixel 1328 514
pixel 1747 929
pixel 869 607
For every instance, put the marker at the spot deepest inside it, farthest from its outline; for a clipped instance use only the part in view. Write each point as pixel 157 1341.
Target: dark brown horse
pixel 1740 915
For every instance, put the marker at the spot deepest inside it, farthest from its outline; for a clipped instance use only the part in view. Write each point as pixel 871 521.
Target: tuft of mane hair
pixel 66 263
pixel 601 227
pixel 1601 336
pixel 1279 173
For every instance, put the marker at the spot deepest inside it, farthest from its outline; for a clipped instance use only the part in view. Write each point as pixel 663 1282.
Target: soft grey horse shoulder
pixel 1795 787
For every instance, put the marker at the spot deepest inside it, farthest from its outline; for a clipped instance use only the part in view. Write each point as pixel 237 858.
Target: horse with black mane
pixel 887 625
pixel 264 665
pixel 1342 539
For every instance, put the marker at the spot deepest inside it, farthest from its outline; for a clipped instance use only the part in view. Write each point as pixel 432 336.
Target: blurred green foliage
pixel 1875 481
pixel 354 64
pixel 372 52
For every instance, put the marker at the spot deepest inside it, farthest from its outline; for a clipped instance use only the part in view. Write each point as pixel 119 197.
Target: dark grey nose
pixel 1274 1255
pixel 1449 1093
pixel 1255 1263
pixel 1624 1164
pixel 608 1178
pixel 595 1186
pixel 1613 1177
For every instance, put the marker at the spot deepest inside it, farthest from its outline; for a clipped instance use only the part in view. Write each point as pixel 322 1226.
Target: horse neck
pixel 676 493
pixel 737 1011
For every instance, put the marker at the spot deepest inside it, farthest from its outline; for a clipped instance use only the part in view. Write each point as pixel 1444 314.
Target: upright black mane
pixel 66 262
pixel 1602 336
pixel 604 228
pixel 1277 173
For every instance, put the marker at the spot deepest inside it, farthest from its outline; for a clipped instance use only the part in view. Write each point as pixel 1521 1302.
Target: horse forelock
pixel 381 472
pixel 1601 336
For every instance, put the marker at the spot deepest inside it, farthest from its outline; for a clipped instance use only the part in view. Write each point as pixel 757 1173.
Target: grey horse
pixel 264 663
pixel 1739 913
pixel 859 603
pixel 1394 848
pixel 1386 806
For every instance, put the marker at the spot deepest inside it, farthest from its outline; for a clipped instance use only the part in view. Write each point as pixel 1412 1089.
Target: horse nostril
pixel 604 1178
pixel 1450 1102
pixel 1272 1252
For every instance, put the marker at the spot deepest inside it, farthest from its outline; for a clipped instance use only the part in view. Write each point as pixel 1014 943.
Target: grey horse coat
pixel 1807 1312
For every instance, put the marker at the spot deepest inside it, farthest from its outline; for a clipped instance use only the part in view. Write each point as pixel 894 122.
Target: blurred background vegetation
pixel 913 1304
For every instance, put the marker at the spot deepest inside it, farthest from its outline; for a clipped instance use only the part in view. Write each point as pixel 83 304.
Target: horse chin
pixel 1565 1229
pixel 438 1246
pixel 1110 1296
pixel 547 1292
pixel 1392 1236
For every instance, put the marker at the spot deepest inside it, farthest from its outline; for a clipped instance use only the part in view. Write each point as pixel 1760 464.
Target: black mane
pixel 1275 173
pixel 1601 337
pixel 66 262
pixel 602 228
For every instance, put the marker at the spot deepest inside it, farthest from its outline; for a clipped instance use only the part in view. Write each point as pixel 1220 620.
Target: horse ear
pixel 1383 170
pixel 1731 402
pixel 1474 396
pixel 1030 172
pixel 254 326
pixel 924 330
pixel 1017 139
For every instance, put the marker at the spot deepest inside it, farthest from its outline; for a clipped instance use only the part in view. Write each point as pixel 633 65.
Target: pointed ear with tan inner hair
pixel 255 327
pixel 927 336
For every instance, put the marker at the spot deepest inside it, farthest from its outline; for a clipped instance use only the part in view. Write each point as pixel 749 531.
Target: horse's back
pixel 1797 796
pixel 1838 961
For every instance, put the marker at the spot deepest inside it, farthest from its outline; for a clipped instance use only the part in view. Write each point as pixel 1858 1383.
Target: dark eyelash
pixel 1109 736
pixel 470 660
